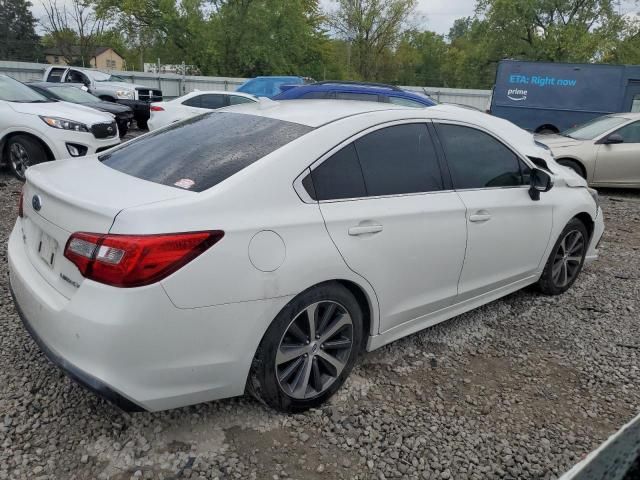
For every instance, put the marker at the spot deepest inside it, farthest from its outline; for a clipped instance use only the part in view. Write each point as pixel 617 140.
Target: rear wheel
pixel 23 152
pixel 566 259
pixel 309 349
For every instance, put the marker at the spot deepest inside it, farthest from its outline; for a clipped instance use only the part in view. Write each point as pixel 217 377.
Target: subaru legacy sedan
pixel 262 248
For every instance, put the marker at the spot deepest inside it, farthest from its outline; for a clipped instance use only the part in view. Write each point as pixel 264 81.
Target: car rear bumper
pixel 133 346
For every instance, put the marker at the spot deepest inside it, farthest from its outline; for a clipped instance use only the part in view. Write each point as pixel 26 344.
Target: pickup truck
pixel 108 87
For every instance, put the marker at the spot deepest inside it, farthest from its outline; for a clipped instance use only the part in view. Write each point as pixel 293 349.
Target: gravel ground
pixel 521 388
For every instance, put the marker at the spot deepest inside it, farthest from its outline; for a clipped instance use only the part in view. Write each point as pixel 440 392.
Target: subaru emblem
pixel 36 203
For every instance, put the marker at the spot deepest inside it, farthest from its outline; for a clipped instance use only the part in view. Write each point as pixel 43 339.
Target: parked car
pixel 194 103
pixel 35 129
pixel 269 86
pixel 370 92
pixel 549 97
pixel 109 88
pixel 264 249
pixel 68 93
pixel 605 151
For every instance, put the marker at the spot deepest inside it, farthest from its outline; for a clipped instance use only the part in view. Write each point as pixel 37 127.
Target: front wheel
pixel 566 259
pixel 24 152
pixel 309 350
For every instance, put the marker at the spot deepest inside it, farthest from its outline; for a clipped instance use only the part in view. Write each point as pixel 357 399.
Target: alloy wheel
pixel 19 159
pixel 568 258
pixel 314 350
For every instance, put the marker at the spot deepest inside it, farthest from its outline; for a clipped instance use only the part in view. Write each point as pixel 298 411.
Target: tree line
pixel 372 40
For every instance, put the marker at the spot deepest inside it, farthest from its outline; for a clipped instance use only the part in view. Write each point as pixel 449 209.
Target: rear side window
pixel 477 160
pixel 405 102
pixel 213 101
pixel 203 151
pixel 399 159
pixel 195 101
pixel 55 75
pixel 339 176
pixel 390 161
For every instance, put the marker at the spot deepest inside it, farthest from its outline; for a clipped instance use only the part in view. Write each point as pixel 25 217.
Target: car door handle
pixel 480 217
pixel 364 229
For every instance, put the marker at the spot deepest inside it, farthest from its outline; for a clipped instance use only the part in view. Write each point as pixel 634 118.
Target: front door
pixel 508 232
pixel 619 163
pixel 393 219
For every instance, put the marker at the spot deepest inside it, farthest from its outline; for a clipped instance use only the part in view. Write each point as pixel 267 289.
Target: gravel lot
pixel 521 388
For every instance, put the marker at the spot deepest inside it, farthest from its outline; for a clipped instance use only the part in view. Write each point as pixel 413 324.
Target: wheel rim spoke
pixel 286 353
pixel 337 325
pixel 314 349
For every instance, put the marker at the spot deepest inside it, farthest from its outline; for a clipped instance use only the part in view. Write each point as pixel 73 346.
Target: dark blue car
pixel 370 92
pixel 269 86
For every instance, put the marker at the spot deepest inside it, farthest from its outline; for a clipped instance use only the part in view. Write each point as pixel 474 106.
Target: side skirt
pixel 426 321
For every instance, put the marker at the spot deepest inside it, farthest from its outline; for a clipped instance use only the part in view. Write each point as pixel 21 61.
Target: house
pixel 104 58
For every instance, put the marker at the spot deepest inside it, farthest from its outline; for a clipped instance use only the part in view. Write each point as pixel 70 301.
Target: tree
pixel 371 28
pixel 420 59
pixel 18 39
pixel 73 28
pixel 552 30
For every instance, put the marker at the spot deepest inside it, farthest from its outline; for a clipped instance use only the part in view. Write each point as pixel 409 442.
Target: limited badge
pixel 185 183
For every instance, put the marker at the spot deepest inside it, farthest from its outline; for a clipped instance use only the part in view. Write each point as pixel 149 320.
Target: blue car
pixel 268 86
pixel 341 90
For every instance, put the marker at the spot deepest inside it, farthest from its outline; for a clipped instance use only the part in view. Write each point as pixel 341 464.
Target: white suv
pixel 34 129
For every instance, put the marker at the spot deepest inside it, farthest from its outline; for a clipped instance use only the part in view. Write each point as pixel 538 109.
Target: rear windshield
pixel 201 152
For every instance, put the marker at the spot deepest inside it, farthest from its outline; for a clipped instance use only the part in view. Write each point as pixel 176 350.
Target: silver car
pixel 605 151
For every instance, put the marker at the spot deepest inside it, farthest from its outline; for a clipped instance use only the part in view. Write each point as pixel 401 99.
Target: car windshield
pixel 73 95
pixel 200 152
pixel 594 128
pixel 13 91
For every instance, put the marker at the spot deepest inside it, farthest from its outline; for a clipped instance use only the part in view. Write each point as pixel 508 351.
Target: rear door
pixel 619 163
pixel 508 232
pixel 394 219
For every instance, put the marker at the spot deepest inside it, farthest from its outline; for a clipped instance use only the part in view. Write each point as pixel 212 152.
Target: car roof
pixel 217 92
pixel 356 87
pixel 314 113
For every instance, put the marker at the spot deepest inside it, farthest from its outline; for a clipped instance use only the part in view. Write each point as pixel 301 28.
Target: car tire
pixel 566 259
pixel 23 152
pixel 293 370
pixel 573 165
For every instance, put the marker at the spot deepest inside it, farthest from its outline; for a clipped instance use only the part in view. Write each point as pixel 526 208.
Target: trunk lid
pixel 79 195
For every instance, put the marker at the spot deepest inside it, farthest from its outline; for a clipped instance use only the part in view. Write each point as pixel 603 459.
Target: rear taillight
pixel 21 204
pixel 135 260
pixel 156 108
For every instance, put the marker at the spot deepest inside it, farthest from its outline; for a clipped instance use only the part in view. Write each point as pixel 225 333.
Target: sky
pixel 436 15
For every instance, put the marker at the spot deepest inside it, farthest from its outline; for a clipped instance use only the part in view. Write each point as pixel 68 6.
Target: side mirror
pixel 612 139
pixel 540 182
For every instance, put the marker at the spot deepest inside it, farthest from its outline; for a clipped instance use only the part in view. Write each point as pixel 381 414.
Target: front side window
pixel 477 160
pixel 202 151
pixel 630 133
pixel 76 77
pixel 390 161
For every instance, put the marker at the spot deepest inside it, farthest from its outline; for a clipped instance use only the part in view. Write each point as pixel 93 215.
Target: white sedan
pixel 192 104
pixel 264 249
pixel 36 129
